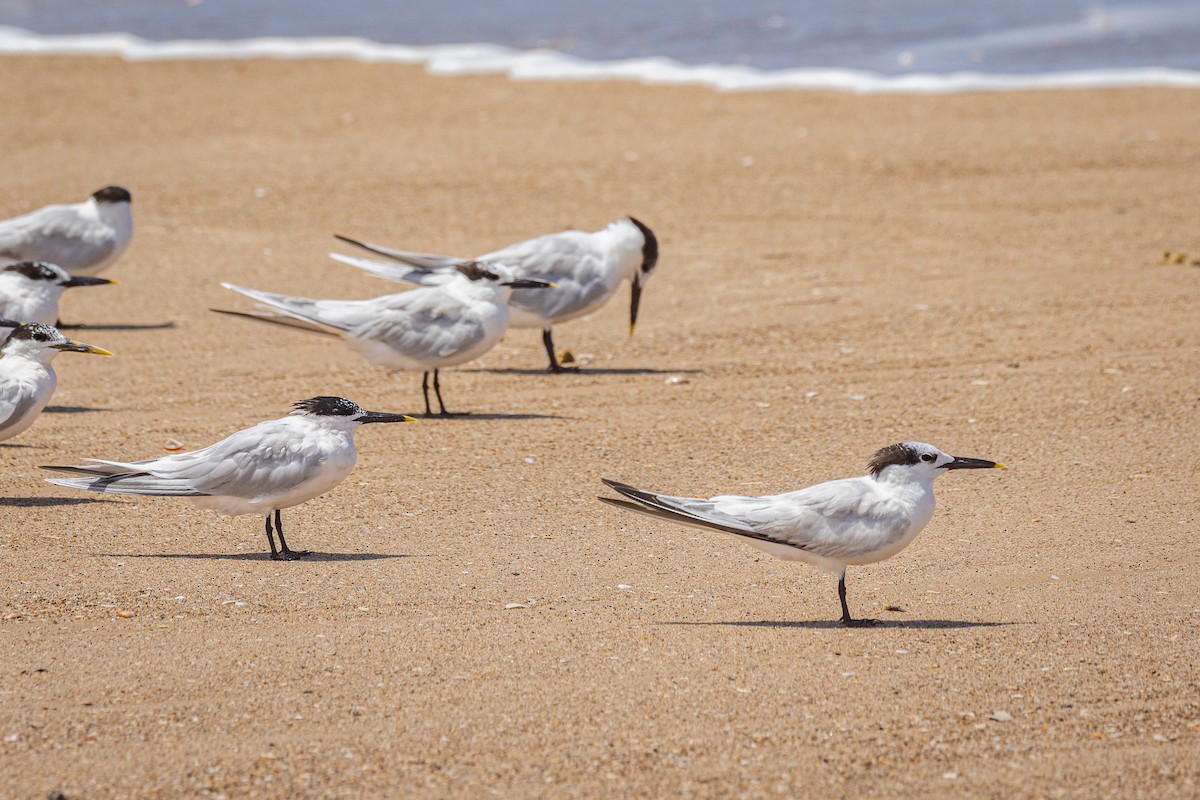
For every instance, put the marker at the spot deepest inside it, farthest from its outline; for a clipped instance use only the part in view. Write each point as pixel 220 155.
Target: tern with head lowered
pixel 27 378
pixel 30 290
pixel 831 525
pixel 273 465
pixel 82 238
pixel 457 320
pixel 587 268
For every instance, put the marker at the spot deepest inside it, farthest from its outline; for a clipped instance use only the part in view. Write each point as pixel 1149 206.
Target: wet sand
pixel 838 272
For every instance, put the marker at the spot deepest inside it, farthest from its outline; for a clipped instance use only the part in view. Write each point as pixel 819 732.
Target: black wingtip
pixel 625 504
pixel 357 243
pixel 632 492
pixel 282 320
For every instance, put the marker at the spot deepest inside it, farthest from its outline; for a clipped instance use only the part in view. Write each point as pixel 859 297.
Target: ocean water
pixel 860 45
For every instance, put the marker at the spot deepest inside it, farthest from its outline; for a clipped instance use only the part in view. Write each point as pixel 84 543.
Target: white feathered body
pixel 426 328
pixel 587 269
pixel 27 382
pixel 26 300
pixel 82 238
pixel 829 525
pixel 275 464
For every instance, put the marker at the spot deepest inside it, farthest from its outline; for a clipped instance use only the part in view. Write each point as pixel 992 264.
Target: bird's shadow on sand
pixel 467 416
pixel 71 409
pixel 833 624
pixel 584 371
pixel 317 557
pixel 49 502
pixel 86 326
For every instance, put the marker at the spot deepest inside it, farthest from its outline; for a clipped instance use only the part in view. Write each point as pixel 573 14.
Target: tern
pixel 587 268
pixel 273 465
pixel 82 238
pixel 27 379
pixel 30 290
pixel 457 320
pixel 830 525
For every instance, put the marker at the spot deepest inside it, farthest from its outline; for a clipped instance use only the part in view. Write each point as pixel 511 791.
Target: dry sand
pixel 838 272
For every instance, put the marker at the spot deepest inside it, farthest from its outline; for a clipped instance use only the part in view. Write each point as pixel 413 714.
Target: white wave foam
pixel 475 59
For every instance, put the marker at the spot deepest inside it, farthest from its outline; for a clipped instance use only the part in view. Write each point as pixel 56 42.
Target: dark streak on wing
pixel 89 472
pixel 424 261
pixel 285 321
pixel 648 503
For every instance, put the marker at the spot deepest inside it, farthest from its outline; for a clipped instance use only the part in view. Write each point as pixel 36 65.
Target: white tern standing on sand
pixel 27 379
pixel 30 290
pixel 587 268
pixel 275 464
pixel 830 525
pixel 457 320
pixel 82 238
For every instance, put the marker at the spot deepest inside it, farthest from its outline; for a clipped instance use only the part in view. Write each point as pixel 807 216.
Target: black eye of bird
pixel 927 457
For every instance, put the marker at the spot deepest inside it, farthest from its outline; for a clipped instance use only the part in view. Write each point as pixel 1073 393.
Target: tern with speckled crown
pixel 30 290
pixel 273 465
pixel 27 378
pixel 831 525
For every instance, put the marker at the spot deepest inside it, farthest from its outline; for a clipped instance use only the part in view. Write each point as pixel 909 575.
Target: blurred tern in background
pixel 587 268
pixel 82 238
pixel 273 465
pixel 831 525
pixel 30 290
pixel 457 320
pixel 27 380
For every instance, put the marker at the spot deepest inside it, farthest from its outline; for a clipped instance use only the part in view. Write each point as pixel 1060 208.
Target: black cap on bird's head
pixel 930 459
pixel 327 406
pixel 649 261
pixel 50 337
pixel 38 271
pixel 52 273
pixel 112 194
pixel 649 246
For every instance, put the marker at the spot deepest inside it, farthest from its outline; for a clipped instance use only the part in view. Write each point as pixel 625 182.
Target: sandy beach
pixel 838 272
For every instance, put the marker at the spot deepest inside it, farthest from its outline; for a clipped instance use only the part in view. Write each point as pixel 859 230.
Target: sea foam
pixel 477 59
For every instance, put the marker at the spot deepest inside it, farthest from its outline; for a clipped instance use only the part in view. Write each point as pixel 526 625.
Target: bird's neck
pixel 24 351
pixel 113 214
pixel 906 487
pixel 13 285
pixel 624 242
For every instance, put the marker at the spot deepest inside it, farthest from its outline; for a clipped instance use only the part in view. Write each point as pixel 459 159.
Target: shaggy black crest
pixel 476 271
pixel 34 270
pixel 113 194
pixel 328 407
pixel 893 454
pixel 650 248
pixel 34 331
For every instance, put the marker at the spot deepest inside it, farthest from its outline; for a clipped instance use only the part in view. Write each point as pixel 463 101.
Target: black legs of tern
pixel 847 620
pixel 283 553
pixel 548 341
pixel 437 390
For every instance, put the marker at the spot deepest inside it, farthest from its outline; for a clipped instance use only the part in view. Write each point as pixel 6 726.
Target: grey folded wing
pixel 103 478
